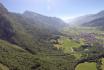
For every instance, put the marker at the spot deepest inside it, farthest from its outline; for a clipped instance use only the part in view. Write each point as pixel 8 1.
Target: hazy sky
pixel 59 8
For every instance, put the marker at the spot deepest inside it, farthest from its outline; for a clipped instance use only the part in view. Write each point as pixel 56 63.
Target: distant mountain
pixel 50 23
pixel 81 19
pixel 98 20
pixel 25 41
pixel 90 20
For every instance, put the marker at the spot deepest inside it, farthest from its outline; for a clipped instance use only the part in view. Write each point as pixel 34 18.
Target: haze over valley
pixel 34 35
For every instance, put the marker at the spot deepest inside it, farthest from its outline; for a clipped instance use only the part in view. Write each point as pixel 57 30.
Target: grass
pixel 68 45
pixel 86 66
pixel 77 30
pixel 102 64
pixel 3 67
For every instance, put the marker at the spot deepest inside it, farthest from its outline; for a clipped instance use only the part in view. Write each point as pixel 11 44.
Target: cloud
pixel 67 18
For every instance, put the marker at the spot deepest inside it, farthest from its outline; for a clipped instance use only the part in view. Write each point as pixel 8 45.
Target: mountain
pixel 98 20
pixel 90 20
pixel 25 42
pixel 50 23
pixel 3 9
pixel 81 19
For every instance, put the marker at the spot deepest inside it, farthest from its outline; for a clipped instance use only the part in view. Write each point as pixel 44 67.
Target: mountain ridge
pixel 90 20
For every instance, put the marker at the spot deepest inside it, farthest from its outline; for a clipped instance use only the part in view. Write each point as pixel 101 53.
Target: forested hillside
pixel 25 42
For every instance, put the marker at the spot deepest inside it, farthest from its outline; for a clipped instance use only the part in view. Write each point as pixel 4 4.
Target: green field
pixel 86 66
pixel 68 45
pixel 102 64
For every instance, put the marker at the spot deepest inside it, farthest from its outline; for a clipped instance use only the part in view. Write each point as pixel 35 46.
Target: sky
pixel 64 9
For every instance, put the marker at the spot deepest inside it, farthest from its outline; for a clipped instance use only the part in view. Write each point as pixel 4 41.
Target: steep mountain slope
pixel 25 42
pixel 27 32
pixel 47 22
pixel 3 9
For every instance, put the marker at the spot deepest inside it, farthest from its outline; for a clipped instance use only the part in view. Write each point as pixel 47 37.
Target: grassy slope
pixel 17 58
pixel 14 57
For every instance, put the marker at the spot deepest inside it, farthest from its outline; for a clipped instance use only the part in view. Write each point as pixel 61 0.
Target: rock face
pixel 6 30
pixel 3 9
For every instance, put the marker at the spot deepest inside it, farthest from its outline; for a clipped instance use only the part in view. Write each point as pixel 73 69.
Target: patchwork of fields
pixel 82 42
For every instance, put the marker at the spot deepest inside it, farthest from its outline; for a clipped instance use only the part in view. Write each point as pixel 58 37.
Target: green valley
pixel 32 41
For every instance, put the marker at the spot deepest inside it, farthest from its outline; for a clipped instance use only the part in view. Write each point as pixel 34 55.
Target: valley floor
pixel 84 43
